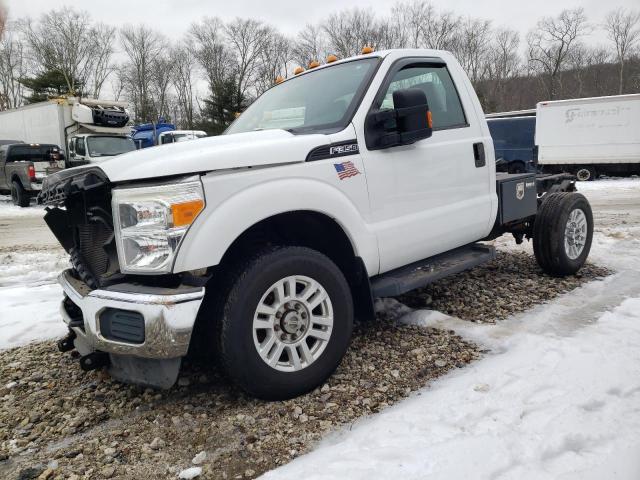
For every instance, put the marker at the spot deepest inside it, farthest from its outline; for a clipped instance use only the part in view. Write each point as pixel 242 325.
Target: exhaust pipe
pixel 94 361
pixel 66 344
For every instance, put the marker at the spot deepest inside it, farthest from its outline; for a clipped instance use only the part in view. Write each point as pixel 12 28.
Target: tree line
pixel 218 68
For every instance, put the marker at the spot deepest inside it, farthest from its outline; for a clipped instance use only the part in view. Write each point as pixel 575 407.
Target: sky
pixel 174 17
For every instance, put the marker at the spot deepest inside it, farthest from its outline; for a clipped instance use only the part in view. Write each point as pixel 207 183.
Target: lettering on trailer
pixel 580 113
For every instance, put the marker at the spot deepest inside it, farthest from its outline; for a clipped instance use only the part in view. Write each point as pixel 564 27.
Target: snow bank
pixel 29 297
pixel 30 313
pixel 553 404
pixel 557 397
pixel 31 268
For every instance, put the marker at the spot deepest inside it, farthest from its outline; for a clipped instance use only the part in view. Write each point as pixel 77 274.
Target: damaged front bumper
pixel 144 330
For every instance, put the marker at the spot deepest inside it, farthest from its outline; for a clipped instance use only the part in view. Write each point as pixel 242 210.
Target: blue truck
pixel 161 133
pixel 513 135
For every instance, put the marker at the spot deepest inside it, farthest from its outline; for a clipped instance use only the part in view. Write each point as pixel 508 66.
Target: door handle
pixel 478 154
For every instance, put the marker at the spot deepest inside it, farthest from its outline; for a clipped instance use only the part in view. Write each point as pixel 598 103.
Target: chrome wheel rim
pixel 292 323
pixel 575 234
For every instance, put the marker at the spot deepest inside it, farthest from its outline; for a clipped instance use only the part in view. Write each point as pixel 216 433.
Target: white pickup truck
pixel 361 178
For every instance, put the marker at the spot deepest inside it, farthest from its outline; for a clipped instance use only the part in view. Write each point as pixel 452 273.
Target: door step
pixel 429 270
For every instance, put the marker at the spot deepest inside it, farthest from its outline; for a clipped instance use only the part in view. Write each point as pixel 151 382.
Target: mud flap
pixel 143 371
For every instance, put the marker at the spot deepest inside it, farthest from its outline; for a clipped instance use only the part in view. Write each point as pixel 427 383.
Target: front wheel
pixel 286 322
pixel 562 233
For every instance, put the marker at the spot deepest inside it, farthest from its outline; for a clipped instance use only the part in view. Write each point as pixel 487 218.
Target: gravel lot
pixel 57 422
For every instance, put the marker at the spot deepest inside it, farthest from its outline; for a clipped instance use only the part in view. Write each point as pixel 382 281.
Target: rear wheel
pixel 563 231
pixel 286 322
pixel 19 196
pixel 586 174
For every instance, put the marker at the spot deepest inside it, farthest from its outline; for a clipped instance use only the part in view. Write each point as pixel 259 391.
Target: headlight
pixel 150 223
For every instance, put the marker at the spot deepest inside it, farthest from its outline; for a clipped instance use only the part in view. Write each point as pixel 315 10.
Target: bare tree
pixel 350 30
pixel 472 47
pixel 143 47
pixel 310 44
pixel 412 21
pixel 623 29
pixel 62 40
pixel 13 67
pixel 550 45
pixel 275 57
pixel 103 38
pixel 184 83
pixel 442 32
pixel 161 75
pixel 246 39
pixel 503 63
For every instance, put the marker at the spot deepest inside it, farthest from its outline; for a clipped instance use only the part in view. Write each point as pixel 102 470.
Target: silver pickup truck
pixel 23 167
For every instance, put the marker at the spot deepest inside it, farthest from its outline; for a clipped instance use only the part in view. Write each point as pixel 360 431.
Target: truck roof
pixel 631 96
pixel 408 52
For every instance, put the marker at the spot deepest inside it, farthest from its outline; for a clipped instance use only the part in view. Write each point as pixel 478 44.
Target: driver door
pixel 430 196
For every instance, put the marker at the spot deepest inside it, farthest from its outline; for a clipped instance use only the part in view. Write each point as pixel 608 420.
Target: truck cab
pixel 362 178
pixel 92 148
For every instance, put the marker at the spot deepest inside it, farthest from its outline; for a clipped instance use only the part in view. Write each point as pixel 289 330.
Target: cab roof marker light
pixel 298 70
pixel 332 58
pixel 367 49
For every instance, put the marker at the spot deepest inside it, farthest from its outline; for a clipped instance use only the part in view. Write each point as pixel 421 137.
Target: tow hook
pixel 66 344
pixel 94 361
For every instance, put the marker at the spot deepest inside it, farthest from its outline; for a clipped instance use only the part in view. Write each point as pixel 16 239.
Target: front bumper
pixel 169 317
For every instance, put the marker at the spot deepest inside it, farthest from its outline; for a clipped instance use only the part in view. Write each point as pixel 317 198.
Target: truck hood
pixel 260 148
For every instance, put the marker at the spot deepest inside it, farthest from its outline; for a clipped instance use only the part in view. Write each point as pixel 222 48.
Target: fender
pixel 222 222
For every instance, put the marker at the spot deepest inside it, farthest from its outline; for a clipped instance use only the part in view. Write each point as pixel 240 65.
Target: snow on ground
pixel 557 397
pixel 30 297
pixel 11 211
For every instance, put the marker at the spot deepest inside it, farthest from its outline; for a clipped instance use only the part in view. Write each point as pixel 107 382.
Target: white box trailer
pixel 589 136
pixel 88 130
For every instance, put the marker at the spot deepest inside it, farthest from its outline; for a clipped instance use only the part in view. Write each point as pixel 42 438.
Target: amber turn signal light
pixel 185 213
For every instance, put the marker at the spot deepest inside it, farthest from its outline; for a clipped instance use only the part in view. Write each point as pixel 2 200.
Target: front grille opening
pixel 122 325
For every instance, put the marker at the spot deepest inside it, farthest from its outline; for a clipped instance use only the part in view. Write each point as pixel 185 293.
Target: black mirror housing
pixel 411 116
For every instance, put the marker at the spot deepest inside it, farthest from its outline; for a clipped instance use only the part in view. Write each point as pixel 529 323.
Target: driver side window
pixel 80 150
pixel 435 82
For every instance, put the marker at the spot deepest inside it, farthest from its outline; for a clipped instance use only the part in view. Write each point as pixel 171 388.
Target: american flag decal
pixel 346 170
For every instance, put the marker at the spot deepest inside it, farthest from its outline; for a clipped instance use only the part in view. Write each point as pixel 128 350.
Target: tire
pixel 239 331
pixel 562 233
pixel 586 174
pixel 19 196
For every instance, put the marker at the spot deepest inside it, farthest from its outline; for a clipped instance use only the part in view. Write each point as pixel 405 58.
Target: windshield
pixel 316 102
pixel 108 146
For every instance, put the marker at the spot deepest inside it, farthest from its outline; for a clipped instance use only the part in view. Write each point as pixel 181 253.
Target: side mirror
pixel 407 123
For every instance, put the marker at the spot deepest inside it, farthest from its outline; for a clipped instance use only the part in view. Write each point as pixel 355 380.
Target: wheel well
pixel 313 230
pixel 16 178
